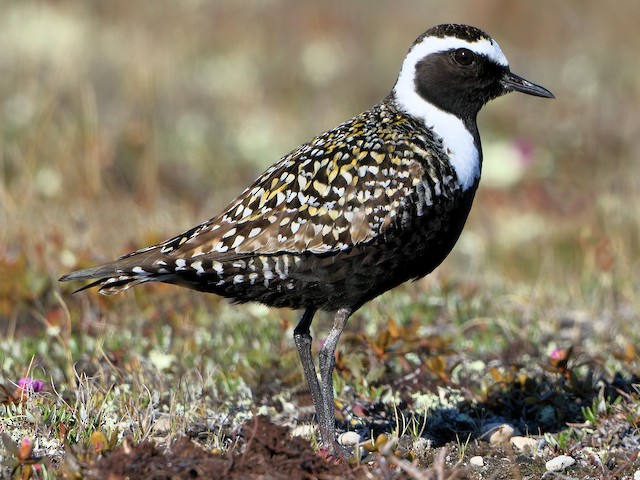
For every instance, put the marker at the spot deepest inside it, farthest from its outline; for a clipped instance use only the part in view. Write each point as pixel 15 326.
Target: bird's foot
pixel 334 452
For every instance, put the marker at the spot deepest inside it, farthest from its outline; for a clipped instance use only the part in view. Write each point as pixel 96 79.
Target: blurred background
pixel 124 123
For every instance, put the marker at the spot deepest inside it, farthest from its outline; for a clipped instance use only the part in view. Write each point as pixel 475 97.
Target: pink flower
pixel 558 354
pixel 25 450
pixel 30 385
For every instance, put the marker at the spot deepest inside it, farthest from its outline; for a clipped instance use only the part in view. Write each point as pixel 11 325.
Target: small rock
pixel 497 432
pixel 524 443
pixel 636 475
pixel 288 407
pixel 477 461
pixel 349 439
pixel 304 431
pixel 162 425
pixel 422 444
pixel 559 463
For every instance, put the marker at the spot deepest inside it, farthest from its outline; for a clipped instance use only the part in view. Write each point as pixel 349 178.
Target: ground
pixel 270 451
pixel 123 124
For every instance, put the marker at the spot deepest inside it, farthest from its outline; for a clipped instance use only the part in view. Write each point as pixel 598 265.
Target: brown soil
pixel 269 453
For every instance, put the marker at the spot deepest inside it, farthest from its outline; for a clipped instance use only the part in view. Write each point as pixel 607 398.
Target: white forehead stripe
pixel 456 138
pixel 429 45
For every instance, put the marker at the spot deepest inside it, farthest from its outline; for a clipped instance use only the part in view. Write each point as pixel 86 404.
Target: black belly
pixel 349 278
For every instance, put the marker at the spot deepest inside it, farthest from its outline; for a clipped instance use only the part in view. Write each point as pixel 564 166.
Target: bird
pixel 378 200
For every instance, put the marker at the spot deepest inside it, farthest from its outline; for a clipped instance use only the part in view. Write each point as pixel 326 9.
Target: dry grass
pixel 123 124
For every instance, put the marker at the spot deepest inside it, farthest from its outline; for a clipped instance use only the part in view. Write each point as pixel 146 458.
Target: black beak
pixel 513 83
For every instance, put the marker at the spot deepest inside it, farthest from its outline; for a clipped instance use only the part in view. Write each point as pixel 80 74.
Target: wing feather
pixel 328 195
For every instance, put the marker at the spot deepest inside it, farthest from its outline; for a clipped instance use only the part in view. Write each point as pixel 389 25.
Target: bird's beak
pixel 513 83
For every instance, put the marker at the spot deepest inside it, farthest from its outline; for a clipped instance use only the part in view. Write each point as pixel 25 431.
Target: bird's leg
pixel 327 361
pixel 302 339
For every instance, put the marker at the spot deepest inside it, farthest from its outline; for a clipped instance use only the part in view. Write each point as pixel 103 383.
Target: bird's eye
pixel 464 56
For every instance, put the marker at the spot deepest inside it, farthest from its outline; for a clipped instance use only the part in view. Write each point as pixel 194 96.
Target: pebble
pixel 477 461
pixel 349 439
pixel 304 431
pixel 497 432
pixel 422 444
pixel 636 476
pixel 162 425
pixel 559 463
pixel 524 443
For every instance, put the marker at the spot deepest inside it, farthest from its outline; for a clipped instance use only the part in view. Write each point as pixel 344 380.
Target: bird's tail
pixel 119 275
pixel 108 285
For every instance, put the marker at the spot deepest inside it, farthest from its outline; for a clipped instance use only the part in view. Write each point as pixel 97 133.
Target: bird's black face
pixel 460 81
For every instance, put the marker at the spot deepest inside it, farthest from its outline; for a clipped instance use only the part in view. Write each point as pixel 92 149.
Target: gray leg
pixel 302 339
pixel 327 361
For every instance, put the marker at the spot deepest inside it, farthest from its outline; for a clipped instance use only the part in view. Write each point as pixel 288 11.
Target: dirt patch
pixel 269 452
